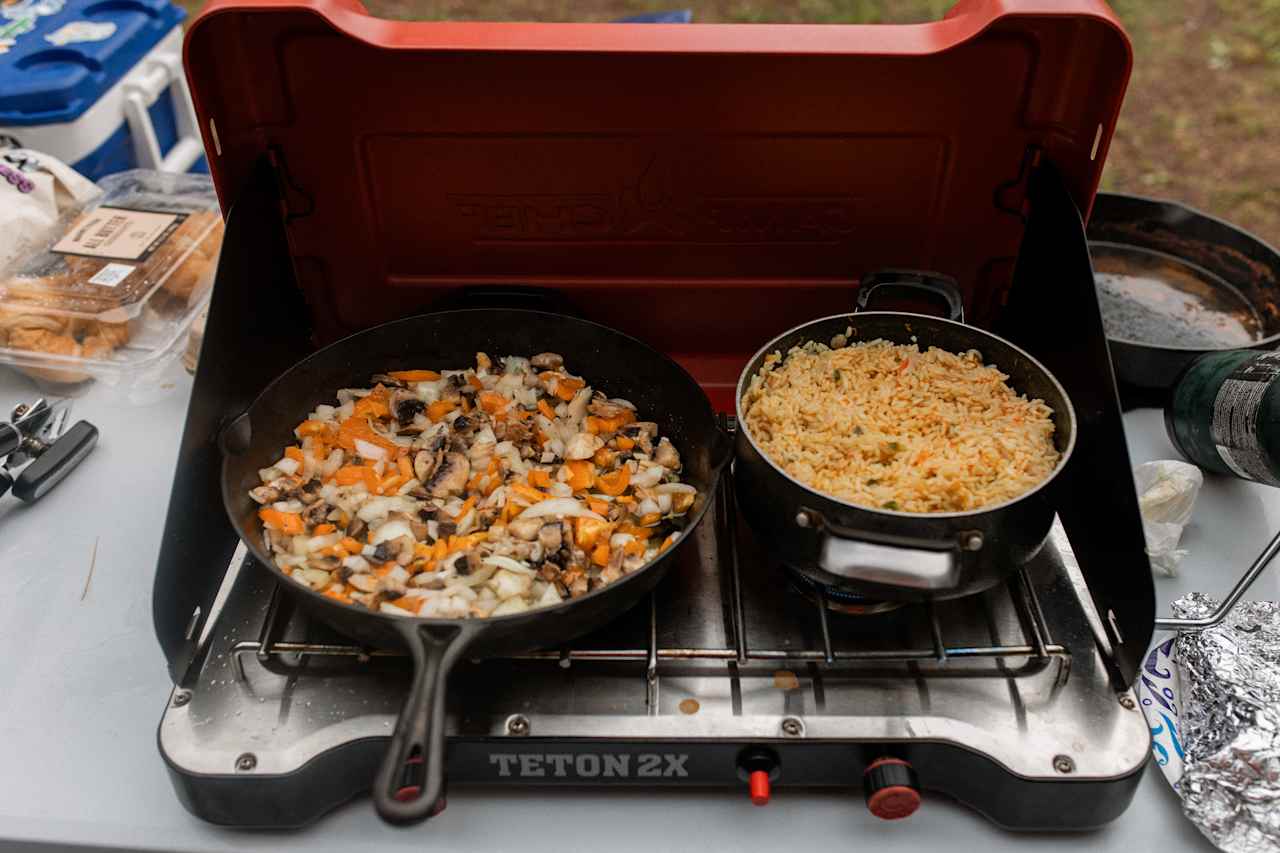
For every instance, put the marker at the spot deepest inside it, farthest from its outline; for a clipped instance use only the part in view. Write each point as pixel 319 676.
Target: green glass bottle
pixel 1224 414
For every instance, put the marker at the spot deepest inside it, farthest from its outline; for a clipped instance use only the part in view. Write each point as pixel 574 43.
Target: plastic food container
pixel 113 294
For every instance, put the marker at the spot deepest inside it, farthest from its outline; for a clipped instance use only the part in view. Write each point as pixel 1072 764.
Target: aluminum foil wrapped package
pixel 1230 725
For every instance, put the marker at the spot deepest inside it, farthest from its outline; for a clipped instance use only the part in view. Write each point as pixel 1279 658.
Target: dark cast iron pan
pixel 1175 284
pixel 609 360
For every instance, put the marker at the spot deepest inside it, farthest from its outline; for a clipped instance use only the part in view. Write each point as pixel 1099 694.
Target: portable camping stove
pixel 1000 701
pixel 524 160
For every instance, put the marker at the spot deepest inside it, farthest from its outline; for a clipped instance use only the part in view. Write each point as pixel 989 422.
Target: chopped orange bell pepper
pixel 358 427
pixel 540 478
pixel 668 542
pixel 603 457
pixel 547 412
pixel 322 529
pixel 624 443
pixel 406 468
pixel 351 546
pixel 312 428
pixel 437 410
pixel 295 453
pixel 600 554
pixel 349 475
pixel 492 402
pixel 412 603
pixel 615 483
pixel 414 375
pixel 582 474
pixel 389 484
pixel 338 593
pixel 637 532
pixel 375 404
pixel 599 507
pixel 528 493
pixel 588 531
pixel 634 548
pixel 567 387
pixel 385 569
pixel 289 523
pixel 466 508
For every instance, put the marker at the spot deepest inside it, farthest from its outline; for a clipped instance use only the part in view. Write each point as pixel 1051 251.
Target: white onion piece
pixel 567 507
pixel 346 410
pixel 287 465
pixel 315 543
pixel 266 475
pixel 560 490
pixel 619 540
pixel 648 506
pixel 397 575
pixel 506 563
pixel 648 478
pixel 549 596
pixel 332 463
pixel 287 506
pixel 511 605
pixel 391 530
pixel 369 450
pixel 672 488
pixel 324 413
pixel 356 563
pixel 664 503
pixel 515 364
pixel 388 607
pixel 511 584
pixel 618 401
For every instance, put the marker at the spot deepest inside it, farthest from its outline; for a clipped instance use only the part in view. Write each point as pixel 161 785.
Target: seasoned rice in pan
pixel 887 426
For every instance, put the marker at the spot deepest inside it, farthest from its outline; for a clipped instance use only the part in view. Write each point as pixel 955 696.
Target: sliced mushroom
pixel 666 455
pixel 450 478
pixel 547 361
pixel 601 407
pixel 583 446
pixel 526 528
pixel 549 537
pixel 357 528
pixel 406 406
pixel 425 464
pixel 315 513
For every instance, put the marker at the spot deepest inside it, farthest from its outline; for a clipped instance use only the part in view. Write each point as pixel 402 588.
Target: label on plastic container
pixel 1235 418
pixel 118 233
pixel 112 274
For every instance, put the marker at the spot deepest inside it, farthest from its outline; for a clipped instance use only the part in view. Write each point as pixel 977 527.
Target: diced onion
pixel 672 488
pixel 648 478
pixel 288 466
pixel 388 607
pixel 369 450
pixel 511 605
pixel 391 530
pixel 567 507
pixel 506 563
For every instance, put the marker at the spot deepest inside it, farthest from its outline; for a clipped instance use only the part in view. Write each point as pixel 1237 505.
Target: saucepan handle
pixel 928 566
pixel 418 741
pixel 935 284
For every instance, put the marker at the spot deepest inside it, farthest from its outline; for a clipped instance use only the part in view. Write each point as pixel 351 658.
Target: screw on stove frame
pixel 792 727
pixel 1064 764
pixel 1126 701
pixel 181 698
pixel 246 762
pixel 518 725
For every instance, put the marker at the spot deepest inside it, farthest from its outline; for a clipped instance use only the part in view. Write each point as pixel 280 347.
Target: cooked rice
pixel 887 426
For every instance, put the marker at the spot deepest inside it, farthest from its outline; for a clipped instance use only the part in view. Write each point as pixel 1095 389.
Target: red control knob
pixel 893 791
pixel 758 784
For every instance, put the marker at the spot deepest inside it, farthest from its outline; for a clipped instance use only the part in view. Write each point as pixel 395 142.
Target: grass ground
pixel 1201 121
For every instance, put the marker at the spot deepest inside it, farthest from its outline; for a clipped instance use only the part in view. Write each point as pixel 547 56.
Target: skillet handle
pixel 928 566
pixel 940 286
pixel 419 734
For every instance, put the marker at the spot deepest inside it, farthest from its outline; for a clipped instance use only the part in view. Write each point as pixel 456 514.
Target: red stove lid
pixel 703 187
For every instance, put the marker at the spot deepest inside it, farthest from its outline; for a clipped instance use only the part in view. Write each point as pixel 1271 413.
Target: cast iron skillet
pixel 1175 284
pixel 607 359
pixel 886 555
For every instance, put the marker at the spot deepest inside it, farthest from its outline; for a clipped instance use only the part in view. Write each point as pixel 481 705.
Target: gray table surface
pixel 83 682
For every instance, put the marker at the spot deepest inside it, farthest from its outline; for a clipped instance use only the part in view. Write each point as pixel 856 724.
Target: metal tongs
pixel 37 452
pixel 1251 574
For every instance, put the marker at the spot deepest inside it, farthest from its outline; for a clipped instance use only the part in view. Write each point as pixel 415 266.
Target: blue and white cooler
pixel 98 84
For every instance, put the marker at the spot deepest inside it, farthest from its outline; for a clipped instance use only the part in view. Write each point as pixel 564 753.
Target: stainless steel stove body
pixel 1001 701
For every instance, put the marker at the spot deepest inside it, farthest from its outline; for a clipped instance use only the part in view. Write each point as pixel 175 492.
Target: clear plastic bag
pixel 1167 491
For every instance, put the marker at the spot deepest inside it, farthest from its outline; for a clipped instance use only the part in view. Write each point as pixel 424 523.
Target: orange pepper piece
pixel 289 523
pixel 351 546
pixel 566 388
pixel 547 412
pixel 616 483
pixel 582 474
pixel 668 542
pixel 600 555
pixel 385 569
pixel 637 532
pixel 492 402
pixel 406 468
pixel 529 493
pixel 414 375
pixel 625 443
pixel 295 453
pixel 437 410
pixel 540 478
pixel 358 427
pixel 312 428
pixel 588 531
pixel 603 457
pixel 322 529
pixel 599 507
pixel 337 593
pixel 634 548
pixel 411 603
pixel 474 382
pixel 349 475
pixel 389 483
pixel 466 508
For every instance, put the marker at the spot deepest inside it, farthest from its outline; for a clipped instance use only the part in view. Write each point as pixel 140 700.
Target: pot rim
pixel 1063 458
